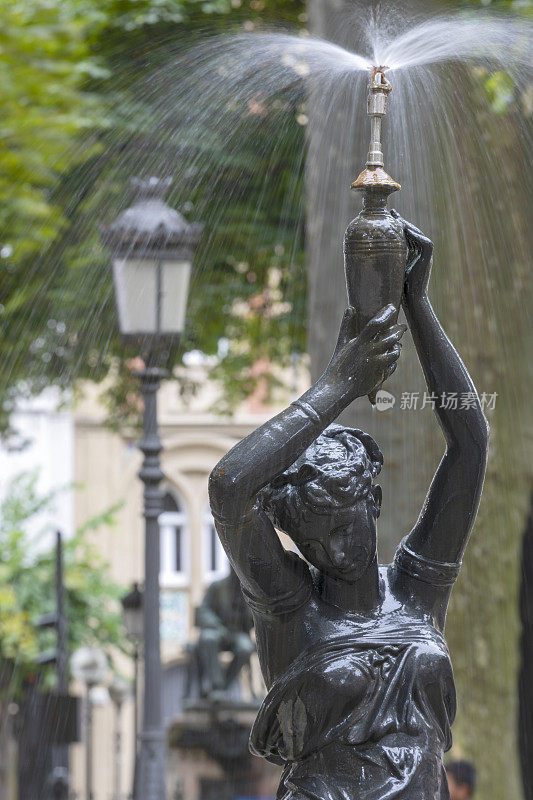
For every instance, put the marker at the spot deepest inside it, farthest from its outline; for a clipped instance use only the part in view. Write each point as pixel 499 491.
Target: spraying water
pixel 217 97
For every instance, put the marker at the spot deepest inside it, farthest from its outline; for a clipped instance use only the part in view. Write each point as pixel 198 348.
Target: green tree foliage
pixel 27 585
pixel 44 61
pixel 70 74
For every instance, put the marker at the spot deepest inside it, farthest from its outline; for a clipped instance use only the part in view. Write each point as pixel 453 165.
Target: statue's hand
pixel 361 363
pixel 418 268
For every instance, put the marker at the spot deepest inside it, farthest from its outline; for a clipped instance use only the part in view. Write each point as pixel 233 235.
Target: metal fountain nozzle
pixel 374 176
pixel 378 89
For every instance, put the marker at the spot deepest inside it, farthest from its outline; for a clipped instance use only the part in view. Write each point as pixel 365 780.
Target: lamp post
pixel 118 691
pixel 152 248
pixel 132 612
pixel 89 665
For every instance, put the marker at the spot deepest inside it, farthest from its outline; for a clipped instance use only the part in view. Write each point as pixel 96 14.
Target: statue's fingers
pixel 417 240
pixel 381 320
pixel 347 328
pixel 390 356
pixel 393 337
pixel 409 227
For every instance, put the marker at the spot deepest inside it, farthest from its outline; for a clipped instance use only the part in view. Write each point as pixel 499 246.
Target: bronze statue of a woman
pixel 360 685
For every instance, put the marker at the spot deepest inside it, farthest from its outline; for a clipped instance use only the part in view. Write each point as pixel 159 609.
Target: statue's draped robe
pixel 364 714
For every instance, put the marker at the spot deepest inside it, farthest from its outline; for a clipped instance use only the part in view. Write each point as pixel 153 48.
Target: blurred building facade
pixel 42 443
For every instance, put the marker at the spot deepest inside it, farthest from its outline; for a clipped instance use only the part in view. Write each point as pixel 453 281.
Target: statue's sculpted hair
pixel 336 470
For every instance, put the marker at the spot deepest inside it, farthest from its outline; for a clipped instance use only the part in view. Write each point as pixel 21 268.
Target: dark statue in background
pixel 225 623
pixel 219 721
pixel 361 694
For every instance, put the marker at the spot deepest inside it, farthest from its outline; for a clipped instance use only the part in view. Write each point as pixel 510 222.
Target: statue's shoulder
pixel 421 583
pixel 296 592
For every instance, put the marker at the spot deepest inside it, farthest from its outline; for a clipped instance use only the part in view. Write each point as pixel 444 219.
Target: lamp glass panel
pixel 175 288
pixel 133 622
pixel 136 293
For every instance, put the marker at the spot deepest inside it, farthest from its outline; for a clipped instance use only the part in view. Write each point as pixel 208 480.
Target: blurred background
pixel 94 93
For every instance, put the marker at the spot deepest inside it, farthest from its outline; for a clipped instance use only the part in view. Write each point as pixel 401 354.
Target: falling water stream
pixel 466 190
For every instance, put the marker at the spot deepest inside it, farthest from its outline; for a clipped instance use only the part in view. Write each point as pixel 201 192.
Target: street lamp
pixel 152 248
pixel 132 613
pixel 89 665
pixel 118 691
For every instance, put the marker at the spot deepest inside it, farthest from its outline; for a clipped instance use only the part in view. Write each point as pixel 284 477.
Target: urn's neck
pixel 375 202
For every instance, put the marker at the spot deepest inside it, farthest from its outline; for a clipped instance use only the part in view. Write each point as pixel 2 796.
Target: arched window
pixel 214 559
pixel 174 542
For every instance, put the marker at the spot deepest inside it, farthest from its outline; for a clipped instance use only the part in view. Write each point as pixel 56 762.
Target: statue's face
pixel 342 544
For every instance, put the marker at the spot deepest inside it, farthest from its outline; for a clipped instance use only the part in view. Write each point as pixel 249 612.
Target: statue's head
pixel 326 502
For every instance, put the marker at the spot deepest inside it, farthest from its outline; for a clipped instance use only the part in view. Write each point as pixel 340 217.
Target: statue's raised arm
pixel 439 537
